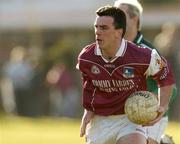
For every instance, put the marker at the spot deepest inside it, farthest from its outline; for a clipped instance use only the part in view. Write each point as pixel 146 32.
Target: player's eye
pixel 103 28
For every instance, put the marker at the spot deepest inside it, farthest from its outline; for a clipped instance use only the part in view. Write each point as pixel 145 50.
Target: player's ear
pixel 119 32
pixel 135 19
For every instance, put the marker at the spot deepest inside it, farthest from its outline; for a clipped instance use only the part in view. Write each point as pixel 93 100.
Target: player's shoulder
pixel 138 49
pixel 87 50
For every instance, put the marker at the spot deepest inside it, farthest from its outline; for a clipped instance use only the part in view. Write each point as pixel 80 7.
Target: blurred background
pixel 39 44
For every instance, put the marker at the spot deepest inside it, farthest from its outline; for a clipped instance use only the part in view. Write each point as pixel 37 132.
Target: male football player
pixel 112 69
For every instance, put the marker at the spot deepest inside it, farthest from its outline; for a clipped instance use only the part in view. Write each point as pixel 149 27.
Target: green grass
pixel 16 130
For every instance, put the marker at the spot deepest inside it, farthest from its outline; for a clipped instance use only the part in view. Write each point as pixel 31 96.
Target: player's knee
pixel 135 138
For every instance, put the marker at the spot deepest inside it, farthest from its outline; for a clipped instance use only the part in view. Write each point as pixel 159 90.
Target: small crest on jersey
pixel 160 63
pixel 95 69
pixel 128 72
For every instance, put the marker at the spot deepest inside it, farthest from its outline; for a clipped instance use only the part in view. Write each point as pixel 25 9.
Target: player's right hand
pixel 88 115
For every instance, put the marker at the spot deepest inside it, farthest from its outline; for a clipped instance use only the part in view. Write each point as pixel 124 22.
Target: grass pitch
pixel 18 130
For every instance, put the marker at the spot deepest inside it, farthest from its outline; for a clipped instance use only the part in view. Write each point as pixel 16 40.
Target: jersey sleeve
pixel 87 87
pixel 160 70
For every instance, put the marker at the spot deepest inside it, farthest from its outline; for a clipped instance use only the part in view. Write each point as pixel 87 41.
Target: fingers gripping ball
pixel 141 107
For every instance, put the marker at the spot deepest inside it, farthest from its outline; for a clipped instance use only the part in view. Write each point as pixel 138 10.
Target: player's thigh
pixel 156 131
pixel 102 130
pixel 135 138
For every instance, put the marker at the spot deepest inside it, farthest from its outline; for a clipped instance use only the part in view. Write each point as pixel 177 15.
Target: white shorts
pixel 156 131
pixel 109 129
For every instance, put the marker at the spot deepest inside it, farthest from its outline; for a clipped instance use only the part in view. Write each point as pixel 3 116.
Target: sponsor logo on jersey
pixel 128 72
pixel 114 85
pixel 95 69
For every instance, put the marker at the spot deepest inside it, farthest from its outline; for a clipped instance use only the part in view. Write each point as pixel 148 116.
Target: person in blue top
pixel 133 10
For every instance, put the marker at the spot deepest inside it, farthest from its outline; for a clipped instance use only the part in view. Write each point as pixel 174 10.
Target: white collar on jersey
pixel 120 51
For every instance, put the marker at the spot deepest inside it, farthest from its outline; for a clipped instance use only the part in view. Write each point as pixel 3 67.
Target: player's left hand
pixel 161 111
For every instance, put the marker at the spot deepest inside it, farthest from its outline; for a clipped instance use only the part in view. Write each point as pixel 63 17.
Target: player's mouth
pixel 99 41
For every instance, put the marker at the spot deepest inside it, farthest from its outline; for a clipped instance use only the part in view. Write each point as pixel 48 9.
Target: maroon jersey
pixel 107 84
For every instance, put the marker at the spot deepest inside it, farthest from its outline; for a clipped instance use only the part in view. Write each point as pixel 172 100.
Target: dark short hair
pixel 116 13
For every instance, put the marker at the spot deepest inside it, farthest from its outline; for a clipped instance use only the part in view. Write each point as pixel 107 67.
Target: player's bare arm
pixel 165 93
pixel 164 97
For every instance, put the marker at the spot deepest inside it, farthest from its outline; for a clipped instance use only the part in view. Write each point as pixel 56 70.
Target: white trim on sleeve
pixel 156 64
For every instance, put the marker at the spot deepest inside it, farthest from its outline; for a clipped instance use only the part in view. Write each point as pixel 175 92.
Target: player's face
pixel 105 32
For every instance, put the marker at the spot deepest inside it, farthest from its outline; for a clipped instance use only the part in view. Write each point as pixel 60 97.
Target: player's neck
pixel 110 53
